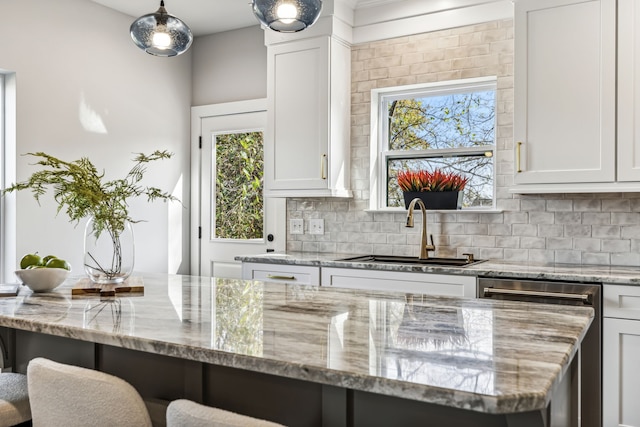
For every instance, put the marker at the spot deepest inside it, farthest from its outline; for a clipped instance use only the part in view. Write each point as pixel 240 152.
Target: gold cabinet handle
pixel 278 277
pixel 518 152
pixel 323 160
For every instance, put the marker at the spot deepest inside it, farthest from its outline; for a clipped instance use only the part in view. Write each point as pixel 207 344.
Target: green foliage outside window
pixel 238 189
pixel 451 121
pixel 443 122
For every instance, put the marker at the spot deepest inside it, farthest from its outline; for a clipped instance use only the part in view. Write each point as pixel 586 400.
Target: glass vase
pixel 109 257
pixel 111 314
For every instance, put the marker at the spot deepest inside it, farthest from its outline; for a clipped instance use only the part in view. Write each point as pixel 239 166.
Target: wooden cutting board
pixel 133 286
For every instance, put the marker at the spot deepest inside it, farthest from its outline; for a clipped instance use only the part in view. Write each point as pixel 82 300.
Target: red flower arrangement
pixel 424 180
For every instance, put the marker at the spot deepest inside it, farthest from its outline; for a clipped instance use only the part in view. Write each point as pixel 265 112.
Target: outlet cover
pixel 296 226
pixel 316 226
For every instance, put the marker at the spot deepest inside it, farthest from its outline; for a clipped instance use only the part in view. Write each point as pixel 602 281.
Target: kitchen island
pixel 310 356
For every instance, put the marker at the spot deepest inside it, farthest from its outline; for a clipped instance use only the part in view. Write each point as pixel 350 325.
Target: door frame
pixel 199 113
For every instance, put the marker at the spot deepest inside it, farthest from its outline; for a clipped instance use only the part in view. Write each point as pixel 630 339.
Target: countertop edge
pixel 489 268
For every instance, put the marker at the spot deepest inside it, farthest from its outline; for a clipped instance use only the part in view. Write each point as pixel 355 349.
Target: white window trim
pixel 8 209
pixel 377 142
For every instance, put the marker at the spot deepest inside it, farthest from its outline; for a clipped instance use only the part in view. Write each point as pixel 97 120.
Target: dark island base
pixel 283 400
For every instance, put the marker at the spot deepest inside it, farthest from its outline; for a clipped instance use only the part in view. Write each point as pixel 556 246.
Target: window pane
pixel 238 187
pixel 477 193
pixel 445 121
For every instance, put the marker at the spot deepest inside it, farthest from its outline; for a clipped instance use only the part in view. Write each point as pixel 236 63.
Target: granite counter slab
pixel 563 272
pixel 490 356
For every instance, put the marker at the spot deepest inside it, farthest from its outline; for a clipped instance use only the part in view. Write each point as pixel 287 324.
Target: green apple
pixel 58 263
pixel 46 259
pixel 30 259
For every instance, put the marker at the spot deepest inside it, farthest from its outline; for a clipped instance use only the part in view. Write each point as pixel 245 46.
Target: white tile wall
pixel 565 228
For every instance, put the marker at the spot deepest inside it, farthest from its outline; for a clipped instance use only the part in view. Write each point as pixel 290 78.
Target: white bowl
pixel 42 279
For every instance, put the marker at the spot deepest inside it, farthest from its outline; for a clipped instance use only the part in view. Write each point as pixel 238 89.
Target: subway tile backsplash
pixel 594 229
pixel 538 235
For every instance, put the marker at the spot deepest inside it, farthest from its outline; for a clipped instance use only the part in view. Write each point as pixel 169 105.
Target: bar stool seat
pixel 70 396
pixel 14 399
pixel 186 413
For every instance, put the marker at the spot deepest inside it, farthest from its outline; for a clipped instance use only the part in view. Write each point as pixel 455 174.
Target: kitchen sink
pixel 392 259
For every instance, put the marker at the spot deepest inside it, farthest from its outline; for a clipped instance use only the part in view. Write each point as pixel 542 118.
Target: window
pixel 238 186
pixel 8 240
pixel 3 257
pixel 445 125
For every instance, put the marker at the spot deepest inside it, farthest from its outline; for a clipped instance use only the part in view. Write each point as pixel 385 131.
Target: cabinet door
pixel 296 150
pixel 564 121
pixel 396 281
pixel 620 375
pixel 628 90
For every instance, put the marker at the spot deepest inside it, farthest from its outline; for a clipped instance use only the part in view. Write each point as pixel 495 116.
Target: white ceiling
pixel 210 16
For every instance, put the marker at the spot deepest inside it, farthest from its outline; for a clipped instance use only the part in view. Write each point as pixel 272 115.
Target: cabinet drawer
pixel 621 301
pixel 395 281
pixel 302 275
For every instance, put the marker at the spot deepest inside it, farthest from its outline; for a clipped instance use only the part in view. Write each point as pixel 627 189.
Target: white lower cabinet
pixel 398 281
pixel 621 356
pixel 283 273
pixel 354 278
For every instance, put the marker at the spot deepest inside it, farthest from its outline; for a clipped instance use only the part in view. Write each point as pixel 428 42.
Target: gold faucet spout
pixel 424 247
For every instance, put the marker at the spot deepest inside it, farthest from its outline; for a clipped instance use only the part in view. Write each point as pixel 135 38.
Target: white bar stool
pixel 186 413
pixel 14 399
pixel 70 396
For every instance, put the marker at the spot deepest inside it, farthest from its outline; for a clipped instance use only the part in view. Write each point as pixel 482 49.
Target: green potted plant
pixel 437 189
pixel 79 190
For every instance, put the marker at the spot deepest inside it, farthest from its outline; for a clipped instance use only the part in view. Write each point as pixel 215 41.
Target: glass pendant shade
pixel 287 16
pixel 161 34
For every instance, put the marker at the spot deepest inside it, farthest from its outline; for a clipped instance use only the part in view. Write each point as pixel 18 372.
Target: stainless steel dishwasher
pixel 564 293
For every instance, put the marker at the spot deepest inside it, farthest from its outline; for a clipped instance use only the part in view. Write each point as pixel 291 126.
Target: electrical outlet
pixel 296 226
pixel 316 226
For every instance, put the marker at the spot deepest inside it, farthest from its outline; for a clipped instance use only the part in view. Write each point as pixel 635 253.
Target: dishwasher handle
pixel 586 298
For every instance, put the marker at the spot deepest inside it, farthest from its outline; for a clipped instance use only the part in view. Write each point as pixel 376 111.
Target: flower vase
pixel 109 256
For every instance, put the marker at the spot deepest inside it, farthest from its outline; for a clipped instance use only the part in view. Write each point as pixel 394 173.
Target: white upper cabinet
pixel 565 92
pixel 308 128
pixel 628 90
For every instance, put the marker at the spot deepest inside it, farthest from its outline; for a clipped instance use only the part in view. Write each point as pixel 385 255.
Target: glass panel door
pixel 235 218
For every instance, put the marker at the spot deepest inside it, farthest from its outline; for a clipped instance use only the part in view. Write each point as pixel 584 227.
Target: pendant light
pixel 287 16
pixel 161 34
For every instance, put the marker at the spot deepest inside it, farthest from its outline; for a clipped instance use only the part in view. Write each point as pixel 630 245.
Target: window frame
pixel 379 134
pixel 8 203
pixel 3 183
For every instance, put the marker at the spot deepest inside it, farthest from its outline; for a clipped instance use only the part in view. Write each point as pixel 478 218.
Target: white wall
pixel 84 89
pixel 229 66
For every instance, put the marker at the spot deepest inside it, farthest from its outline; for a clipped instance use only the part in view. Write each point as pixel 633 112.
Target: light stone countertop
pixel 483 355
pixel 567 272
